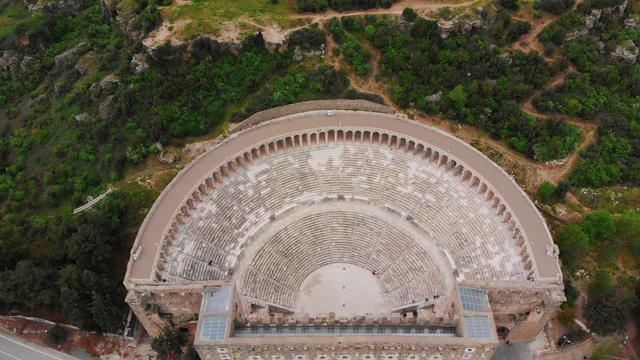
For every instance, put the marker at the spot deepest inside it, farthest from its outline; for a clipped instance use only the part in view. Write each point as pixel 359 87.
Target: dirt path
pixel 418 6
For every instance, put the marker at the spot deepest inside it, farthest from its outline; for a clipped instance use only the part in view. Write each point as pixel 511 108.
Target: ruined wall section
pixel 155 306
pixel 352 351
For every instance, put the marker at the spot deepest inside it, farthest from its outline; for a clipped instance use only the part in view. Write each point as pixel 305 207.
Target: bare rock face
pixel 28 63
pixel 632 22
pixel 66 58
pixel 87 64
pixel 109 83
pixel 627 51
pixel 446 28
pixel 435 97
pixel 81 117
pixel 107 108
pixel 62 7
pixel 10 62
pixel 139 64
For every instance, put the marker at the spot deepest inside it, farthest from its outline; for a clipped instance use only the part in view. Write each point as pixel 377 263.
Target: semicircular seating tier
pixel 418 185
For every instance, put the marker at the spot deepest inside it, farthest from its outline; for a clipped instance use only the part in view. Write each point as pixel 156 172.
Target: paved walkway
pixel 14 348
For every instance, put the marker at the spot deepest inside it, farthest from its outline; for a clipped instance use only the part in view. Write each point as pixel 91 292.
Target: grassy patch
pixel 614 199
pixel 207 16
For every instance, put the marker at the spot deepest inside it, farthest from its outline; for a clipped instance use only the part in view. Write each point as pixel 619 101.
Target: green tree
pixel 573 244
pixel 609 312
pixel 458 96
pixel 104 313
pixel 628 225
pixel 546 191
pixel 408 14
pixel 510 4
pixel 573 107
pixel 601 283
pixel 369 32
pixel 57 335
pixel 168 343
pixel 598 223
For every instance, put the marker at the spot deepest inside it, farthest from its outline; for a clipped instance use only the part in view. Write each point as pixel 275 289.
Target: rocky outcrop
pixel 67 58
pixel 81 117
pixel 139 64
pixel 627 51
pixel 87 64
pixel 109 83
pixel 107 109
pixel 9 62
pixel 434 98
pixel 464 26
pixel 299 55
pixel 62 7
pixel 632 22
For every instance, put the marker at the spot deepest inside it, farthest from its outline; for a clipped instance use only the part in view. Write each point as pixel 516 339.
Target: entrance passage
pixel 344 289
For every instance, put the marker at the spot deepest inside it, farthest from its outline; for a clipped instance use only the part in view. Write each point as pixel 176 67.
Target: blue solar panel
pixel 478 327
pixel 473 299
pixel 214 328
pixel 218 300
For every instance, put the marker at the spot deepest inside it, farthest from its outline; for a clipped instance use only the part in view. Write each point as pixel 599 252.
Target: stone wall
pixel 152 305
pixel 316 105
pixel 337 350
pixel 524 312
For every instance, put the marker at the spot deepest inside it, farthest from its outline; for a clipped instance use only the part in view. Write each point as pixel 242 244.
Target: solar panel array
pixel 214 327
pixel 473 299
pixel 478 327
pixel 218 300
pixel 312 331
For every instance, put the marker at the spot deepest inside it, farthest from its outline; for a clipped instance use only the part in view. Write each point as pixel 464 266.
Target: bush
pixel 563 188
pixel 546 191
pixel 408 14
pixel 567 316
pixel 311 5
pixel 510 4
pixel 609 312
pixel 556 7
pixel 518 29
pixel 168 343
pixel 57 335
pixel 307 38
pixel 336 30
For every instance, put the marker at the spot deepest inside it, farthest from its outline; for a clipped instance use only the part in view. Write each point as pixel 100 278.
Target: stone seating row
pixel 411 185
pixel 259 286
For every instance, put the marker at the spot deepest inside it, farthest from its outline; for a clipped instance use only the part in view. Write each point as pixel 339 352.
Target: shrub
pixel 311 5
pixel 567 316
pixel 57 335
pixel 409 14
pixel 556 7
pixel 510 4
pixel 168 343
pixel 546 191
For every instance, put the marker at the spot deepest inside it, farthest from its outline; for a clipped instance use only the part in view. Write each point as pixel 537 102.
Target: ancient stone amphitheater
pixel 322 231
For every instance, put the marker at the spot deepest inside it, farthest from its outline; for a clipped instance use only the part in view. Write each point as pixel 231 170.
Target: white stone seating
pixel 286 176
pixel 264 183
pixel 339 226
pixel 309 180
pixel 351 170
pixel 391 243
pixel 365 236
